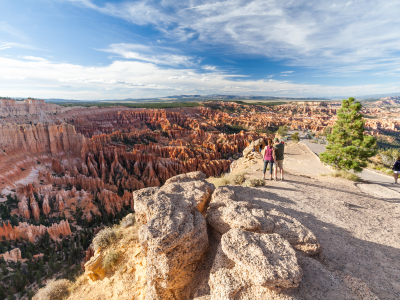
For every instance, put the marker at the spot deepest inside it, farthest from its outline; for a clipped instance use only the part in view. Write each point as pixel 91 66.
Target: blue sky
pixel 87 49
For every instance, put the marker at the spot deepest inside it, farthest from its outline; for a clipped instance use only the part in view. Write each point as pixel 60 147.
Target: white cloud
pixel 151 54
pixel 343 37
pixel 136 79
pixel 34 58
pixel 6 46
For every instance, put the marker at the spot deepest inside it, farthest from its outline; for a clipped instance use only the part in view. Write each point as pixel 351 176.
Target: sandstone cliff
pixel 30 232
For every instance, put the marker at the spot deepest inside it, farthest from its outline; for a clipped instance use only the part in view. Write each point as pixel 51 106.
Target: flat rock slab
pixel 229 210
pixel 268 258
pixel 247 260
pixel 379 191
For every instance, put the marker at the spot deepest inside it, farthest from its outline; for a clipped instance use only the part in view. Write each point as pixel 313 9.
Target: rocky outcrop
pixel 227 210
pixel 254 147
pixel 13 255
pixel 11 107
pixel 173 234
pixel 246 260
pixel 203 189
pixel 94 267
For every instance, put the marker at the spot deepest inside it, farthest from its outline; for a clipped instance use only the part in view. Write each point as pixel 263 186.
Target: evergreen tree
pixel 348 147
pixel 2 293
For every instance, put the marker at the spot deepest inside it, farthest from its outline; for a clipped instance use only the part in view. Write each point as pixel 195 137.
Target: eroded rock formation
pixel 30 232
pixel 13 255
pixel 256 255
pixel 173 233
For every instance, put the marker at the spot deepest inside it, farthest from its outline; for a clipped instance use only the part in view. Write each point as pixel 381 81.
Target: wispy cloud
pixel 6 46
pixel 343 37
pixel 157 55
pixel 136 79
pixel 7 28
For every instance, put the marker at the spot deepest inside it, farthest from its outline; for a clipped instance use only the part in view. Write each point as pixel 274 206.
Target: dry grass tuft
pixel 110 259
pixel 229 178
pixel 254 182
pixel 105 237
pixel 54 290
pixel 128 221
pixel 345 175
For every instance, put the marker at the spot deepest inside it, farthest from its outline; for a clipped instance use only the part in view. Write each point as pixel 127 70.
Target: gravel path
pixel 367 175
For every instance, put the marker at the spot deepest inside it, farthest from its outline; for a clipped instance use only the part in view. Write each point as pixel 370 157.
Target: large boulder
pixel 173 233
pixel 227 210
pixel 246 260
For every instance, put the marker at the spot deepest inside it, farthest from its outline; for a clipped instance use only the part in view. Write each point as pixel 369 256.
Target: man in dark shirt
pixel 279 150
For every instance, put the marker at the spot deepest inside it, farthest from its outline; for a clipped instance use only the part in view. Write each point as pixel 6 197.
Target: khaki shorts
pixel 279 164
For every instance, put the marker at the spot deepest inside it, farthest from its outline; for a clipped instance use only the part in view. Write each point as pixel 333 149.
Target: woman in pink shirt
pixel 268 157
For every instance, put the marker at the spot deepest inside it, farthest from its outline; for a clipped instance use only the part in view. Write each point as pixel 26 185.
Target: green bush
pixel 389 156
pixel 282 131
pixel 54 290
pixel 110 260
pixel 295 137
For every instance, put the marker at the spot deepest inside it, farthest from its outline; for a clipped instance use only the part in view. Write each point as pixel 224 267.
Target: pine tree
pixel 348 147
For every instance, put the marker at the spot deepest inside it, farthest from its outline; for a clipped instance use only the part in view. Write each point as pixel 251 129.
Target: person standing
pixel 268 156
pixel 279 149
pixel 396 169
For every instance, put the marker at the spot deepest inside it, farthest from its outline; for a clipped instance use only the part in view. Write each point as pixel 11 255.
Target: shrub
pixel 219 181
pixel 225 179
pixel 54 290
pixel 129 220
pixel 282 131
pixel 389 156
pixel 295 137
pixel 110 260
pixel 104 238
pixel 254 182
pixel 238 179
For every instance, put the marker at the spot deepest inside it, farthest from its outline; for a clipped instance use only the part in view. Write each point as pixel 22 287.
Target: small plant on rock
pixel 254 182
pixel 238 179
pixel 110 260
pixel 128 221
pixel 295 137
pixel 54 290
pixel 104 238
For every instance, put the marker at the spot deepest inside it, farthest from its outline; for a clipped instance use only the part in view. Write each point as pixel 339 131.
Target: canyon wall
pixel 11 107
pixel 40 138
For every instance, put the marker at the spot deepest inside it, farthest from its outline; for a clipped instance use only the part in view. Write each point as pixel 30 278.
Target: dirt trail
pixel 358 228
